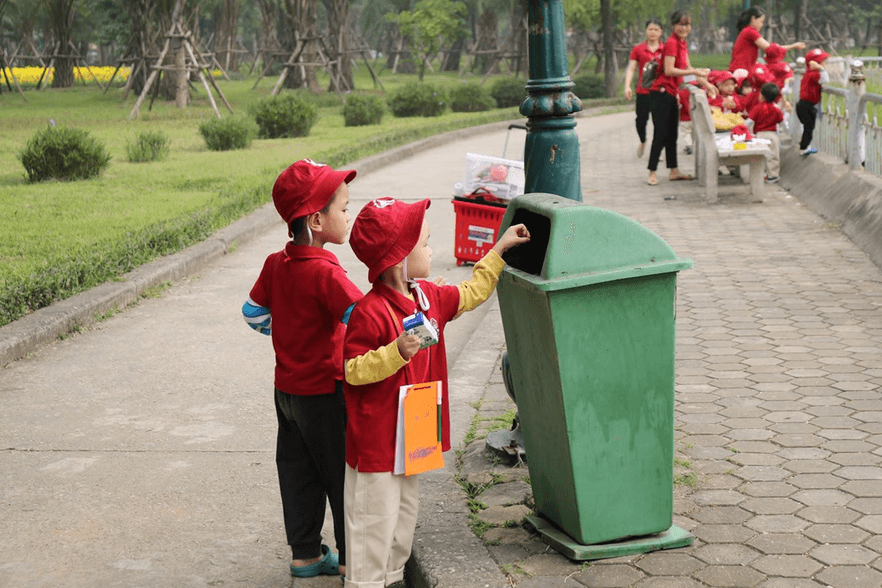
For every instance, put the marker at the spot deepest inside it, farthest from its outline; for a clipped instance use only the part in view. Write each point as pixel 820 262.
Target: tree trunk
pixel 141 14
pixel 609 39
pixel 61 16
pixel 488 25
pixel 182 91
pixel 303 19
pixel 453 56
pixel 799 19
pixel 226 43
pixel 338 33
pixel 269 39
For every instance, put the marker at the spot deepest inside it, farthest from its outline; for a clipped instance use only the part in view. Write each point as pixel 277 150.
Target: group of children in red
pixel 751 89
pixel 341 359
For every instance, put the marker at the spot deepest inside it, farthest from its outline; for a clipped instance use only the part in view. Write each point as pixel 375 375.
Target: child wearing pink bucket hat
pixel 302 299
pixel 391 238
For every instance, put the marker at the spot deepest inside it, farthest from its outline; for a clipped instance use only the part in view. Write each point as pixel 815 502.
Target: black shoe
pixel 772 179
pixel 688 150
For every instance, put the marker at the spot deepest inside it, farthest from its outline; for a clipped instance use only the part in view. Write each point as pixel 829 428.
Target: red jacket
pixel 307 293
pixel 671 84
pixel 642 55
pixel 745 51
pixel 372 409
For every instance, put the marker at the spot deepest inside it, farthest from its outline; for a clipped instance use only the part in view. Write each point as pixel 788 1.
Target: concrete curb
pixel 33 331
pixel 828 187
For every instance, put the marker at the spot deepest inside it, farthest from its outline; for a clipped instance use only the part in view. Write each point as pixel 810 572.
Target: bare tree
pixel 227 39
pixel 338 32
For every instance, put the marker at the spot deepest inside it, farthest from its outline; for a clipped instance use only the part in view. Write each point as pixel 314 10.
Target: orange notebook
pixel 418 439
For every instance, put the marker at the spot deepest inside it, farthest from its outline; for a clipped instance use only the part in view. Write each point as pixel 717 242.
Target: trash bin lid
pixel 573 244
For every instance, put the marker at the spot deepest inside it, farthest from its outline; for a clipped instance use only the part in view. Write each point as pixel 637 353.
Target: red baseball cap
pixel 774 53
pixel 306 187
pixel 718 77
pixel 385 232
pixel 816 55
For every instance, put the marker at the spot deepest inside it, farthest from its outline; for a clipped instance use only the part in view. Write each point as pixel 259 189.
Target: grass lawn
pixel 60 238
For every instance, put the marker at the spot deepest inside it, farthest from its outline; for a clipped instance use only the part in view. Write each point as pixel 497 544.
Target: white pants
pixel 686 132
pixel 381 514
pixel 773 163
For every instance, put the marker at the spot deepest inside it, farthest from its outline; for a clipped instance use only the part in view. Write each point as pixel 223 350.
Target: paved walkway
pixel 778 403
pixel 140 453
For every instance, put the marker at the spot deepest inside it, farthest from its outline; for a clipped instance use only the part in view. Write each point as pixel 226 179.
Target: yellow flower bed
pixel 31 75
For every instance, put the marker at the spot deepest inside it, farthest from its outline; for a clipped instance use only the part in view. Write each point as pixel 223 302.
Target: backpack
pixel 650 72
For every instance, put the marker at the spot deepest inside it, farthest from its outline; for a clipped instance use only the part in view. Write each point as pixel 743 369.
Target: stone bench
pixel 709 155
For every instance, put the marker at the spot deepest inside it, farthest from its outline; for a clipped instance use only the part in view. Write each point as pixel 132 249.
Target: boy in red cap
pixel 302 298
pixel 391 238
pixel 766 117
pixel 810 96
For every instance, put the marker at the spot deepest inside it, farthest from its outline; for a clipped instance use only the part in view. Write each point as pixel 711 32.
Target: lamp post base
pixel 566 545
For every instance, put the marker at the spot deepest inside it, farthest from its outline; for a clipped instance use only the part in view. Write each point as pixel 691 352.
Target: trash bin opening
pixel 530 257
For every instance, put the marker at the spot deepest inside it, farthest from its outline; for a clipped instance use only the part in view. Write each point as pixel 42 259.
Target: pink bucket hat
pixel 385 232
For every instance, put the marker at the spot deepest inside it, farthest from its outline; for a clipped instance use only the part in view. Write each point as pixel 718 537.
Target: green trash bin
pixel 588 308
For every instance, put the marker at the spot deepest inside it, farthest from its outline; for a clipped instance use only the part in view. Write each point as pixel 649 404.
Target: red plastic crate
pixel 477 228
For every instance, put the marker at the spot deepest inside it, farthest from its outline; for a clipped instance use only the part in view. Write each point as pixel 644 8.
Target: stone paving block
pixel 863 488
pixel 777 524
pixel 762 473
pixel 730 576
pixel 549 564
pixel 768 489
pixel 790 566
pixel 867 506
pixel 609 576
pixel 717 498
pixel 835 533
pixel 816 481
pixel 814 497
pixel 539 581
pixel 782 543
pixel 771 506
pixel 860 473
pixel 726 554
pixel 756 459
pixel 790 583
pixel 851 577
pixel 837 555
pixel 810 466
pixel 715 533
pixel 506 553
pixel 501 515
pixel 872 523
pixel 721 515
pixel 829 514
pixel 668 582
pixel 667 563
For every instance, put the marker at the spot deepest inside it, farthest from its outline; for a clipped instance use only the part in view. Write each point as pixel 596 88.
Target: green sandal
pixel 328 565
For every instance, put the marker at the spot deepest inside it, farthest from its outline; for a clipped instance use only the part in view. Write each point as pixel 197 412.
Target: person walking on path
pixel 642 54
pixel 746 49
pixel 663 97
pixel 302 298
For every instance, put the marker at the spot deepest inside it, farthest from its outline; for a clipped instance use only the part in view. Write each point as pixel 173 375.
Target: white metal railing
pixel 848 125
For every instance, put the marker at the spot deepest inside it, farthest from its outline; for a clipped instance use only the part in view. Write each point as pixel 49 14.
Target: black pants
pixel 806 112
pixel 310 458
pixel 642 115
pixel 665 122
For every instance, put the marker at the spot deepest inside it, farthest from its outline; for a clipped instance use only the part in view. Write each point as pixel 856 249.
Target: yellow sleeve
pixel 484 277
pixel 374 366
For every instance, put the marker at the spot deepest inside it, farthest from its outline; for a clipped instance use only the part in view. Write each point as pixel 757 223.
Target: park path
pixel 140 452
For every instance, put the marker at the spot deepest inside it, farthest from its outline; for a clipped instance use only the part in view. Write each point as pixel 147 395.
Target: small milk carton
pixel 416 324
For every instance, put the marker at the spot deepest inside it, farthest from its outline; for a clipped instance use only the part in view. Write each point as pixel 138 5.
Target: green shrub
pixel 589 86
pixel 62 153
pixel 224 134
pixel 470 98
pixel 148 146
pixel 508 92
pixel 285 116
pixel 417 100
pixel 362 110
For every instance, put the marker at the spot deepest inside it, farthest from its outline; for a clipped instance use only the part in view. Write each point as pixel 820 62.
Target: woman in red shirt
pixel 663 102
pixel 746 48
pixel 641 55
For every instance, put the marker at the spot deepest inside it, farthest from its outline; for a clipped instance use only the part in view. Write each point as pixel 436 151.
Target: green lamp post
pixel 551 153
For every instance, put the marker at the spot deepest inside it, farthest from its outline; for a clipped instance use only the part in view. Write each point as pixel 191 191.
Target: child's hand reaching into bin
pixel 514 235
